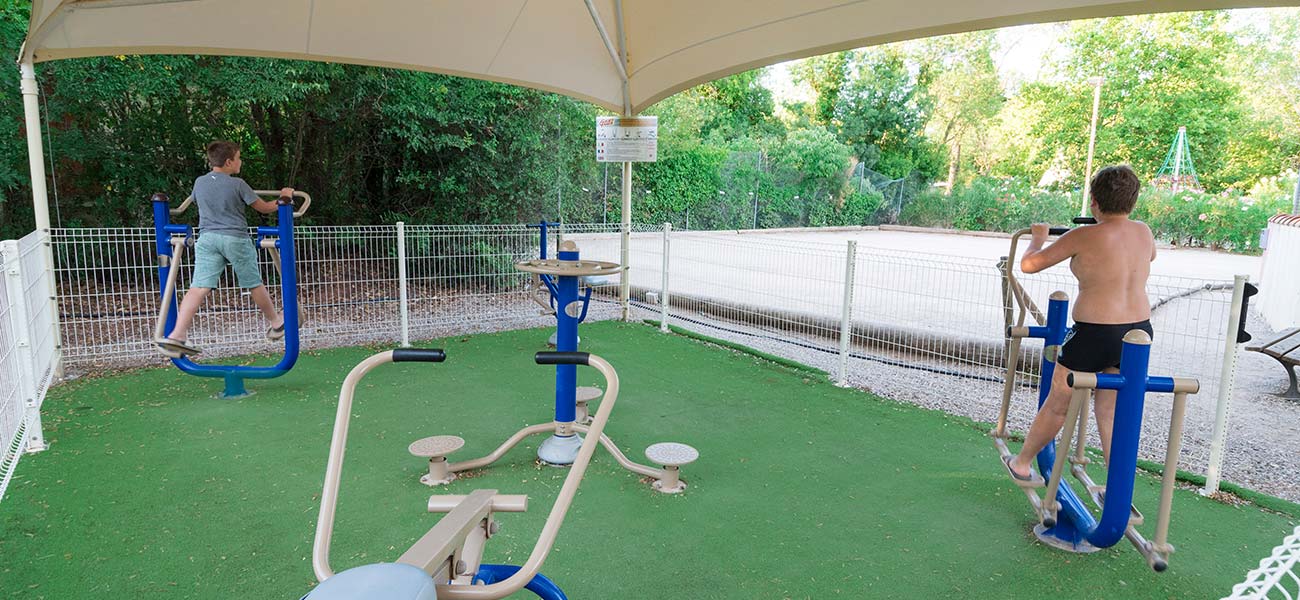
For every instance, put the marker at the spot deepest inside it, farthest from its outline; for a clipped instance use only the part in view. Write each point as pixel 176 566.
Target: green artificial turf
pixel 153 489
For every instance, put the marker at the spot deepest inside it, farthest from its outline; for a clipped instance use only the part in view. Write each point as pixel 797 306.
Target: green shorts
pixel 214 250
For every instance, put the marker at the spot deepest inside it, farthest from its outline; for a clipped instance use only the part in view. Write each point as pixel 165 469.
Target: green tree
pixel 1161 72
pixel 826 75
pixel 882 113
pixel 966 93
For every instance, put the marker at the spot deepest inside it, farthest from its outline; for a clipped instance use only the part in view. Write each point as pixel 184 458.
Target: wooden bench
pixel 1285 347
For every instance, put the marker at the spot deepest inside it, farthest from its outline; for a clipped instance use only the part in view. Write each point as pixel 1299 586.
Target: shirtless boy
pixel 1111 260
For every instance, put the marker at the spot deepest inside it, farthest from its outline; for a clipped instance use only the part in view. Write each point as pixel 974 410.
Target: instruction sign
pixel 627 139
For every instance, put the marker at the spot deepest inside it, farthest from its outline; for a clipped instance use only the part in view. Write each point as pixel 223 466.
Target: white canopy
pixel 571 47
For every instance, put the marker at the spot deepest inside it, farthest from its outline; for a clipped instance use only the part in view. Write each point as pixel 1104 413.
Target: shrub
pixel 1227 221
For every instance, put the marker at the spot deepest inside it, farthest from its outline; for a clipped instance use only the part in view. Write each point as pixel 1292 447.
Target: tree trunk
pixel 953 165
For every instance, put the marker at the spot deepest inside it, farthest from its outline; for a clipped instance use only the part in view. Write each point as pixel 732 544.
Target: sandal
pixel 169 346
pixel 1032 480
pixel 275 333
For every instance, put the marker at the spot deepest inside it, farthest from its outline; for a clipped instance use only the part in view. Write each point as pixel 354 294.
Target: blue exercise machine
pixel 171 239
pixel 446 563
pixel 562 279
pixel 1065 522
pixel 568 299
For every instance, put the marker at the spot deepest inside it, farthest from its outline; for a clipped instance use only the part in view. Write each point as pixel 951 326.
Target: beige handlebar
pixel 333 472
pixel 306 201
pixel 546 540
pixel 182 208
pixel 302 210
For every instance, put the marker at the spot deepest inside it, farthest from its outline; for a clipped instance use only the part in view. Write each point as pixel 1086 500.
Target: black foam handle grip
pixel 1058 231
pixel 419 355
pixel 1242 335
pixel 1085 220
pixel 561 358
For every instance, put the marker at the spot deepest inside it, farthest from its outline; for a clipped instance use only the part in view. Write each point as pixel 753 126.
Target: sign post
pixel 626 140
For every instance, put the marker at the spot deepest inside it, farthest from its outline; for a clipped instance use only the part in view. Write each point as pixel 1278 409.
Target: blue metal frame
pixel 1075 525
pixel 564 291
pixel 234 375
pixel 540 584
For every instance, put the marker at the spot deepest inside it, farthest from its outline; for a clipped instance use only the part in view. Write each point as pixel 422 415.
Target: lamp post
pixel 587 192
pixel 755 199
pixel 1095 82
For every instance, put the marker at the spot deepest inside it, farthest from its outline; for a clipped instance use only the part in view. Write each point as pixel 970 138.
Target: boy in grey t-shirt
pixel 223 239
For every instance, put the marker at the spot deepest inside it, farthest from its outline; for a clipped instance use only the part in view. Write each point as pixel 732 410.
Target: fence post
pixel 21 327
pixel 1226 376
pixel 846 315
pixel 663 286
pixel 403 308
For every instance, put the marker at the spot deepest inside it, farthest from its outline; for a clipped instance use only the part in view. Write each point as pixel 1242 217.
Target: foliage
pixel 882 112
pixel 1161 72
pixel 990 204
pixel 858 208
pixel 1223 221
pixel 826 75
pixel 966 94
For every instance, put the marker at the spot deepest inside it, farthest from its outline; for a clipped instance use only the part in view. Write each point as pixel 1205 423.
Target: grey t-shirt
pixel 221 201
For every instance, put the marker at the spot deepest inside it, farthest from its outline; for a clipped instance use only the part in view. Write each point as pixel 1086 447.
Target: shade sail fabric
pixel 554 45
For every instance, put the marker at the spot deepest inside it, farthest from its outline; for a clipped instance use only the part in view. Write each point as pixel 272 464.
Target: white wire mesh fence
pixel 1276 576
pixel 28 351
pixel 458 279
pixel 920 327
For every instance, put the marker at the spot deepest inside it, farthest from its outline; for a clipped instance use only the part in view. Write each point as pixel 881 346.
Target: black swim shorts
pixel 1092 348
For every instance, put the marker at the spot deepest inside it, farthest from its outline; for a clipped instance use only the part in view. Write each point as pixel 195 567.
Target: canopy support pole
pixel 625 230
pixel 35 150
pixel 40 195
pixel 625 224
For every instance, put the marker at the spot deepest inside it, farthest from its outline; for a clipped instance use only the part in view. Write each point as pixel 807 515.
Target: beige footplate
pixel 585 394
pixel 436 448
pixel 672 455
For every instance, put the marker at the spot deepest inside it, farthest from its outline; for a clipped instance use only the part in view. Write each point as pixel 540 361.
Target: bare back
pixel 1112 261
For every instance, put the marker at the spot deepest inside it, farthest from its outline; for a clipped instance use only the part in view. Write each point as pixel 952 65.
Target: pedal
pixel 1135 517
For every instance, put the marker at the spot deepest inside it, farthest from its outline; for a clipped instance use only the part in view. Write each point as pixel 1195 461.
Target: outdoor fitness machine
pixel 172 239
pixel 561 277
pixel 1065 522
pixel 446 563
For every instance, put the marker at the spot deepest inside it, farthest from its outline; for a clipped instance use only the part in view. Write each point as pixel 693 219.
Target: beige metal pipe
pixel 519 436
pixel 1171 471
pixel 623 461
pixel 546 540
pixel 302 208
pixel 1080 456
pixel 178 249
pixel 320 551
pixel 1077 399
pixel 512 503
pixel 1008 387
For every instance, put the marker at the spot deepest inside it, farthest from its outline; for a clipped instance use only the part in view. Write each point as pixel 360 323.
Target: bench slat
pixel 1283 347
pixel 1279 341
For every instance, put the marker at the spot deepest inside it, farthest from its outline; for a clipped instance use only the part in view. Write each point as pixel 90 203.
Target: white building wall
pixel 1279 290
